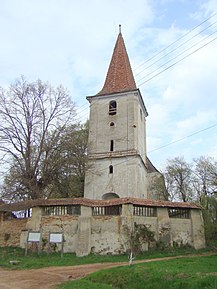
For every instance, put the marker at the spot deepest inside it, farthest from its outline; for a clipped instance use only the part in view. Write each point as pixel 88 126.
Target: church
pixel 119 191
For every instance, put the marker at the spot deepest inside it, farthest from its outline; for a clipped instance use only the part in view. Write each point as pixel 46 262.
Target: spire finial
pixel 119 28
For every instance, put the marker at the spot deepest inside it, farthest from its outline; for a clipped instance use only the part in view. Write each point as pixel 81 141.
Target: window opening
pixel 107 211
pixel 111 169
pixel 179 213
pixel 111 146
pixel 141 114
pixel 144 211
pixel 62 210
pixel 112 107
pixel 112 123
pixel 17 214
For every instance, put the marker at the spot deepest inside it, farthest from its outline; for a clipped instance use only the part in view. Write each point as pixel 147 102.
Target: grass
pixel 33 260
pixel 184 273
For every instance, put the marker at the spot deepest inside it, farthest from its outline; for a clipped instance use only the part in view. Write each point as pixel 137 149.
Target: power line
pixel 183 138
pixel 170 66
pixel 166 145
pixel 180 45
pixel 200 24
pixel 178 55
pixel 86 106
pixel 182 53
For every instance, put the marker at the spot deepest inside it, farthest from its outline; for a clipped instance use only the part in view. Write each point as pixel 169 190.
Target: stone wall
pixel 67 225
pixel 10 231
pixel 104 234
pixel 106 237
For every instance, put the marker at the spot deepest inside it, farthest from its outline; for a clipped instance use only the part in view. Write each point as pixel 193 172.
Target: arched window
pixel 112 107
pixel 111 169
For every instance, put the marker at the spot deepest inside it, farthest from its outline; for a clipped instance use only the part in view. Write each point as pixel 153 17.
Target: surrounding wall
pixel 10 231
pixel 104 233
pixel 66 224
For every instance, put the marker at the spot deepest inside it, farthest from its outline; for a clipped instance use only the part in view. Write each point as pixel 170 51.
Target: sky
pixel 172 48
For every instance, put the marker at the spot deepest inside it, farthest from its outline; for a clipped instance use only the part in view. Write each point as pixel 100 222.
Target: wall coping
pixel 24 205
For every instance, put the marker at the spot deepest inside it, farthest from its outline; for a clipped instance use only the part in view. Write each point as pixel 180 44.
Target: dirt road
pixel 47 278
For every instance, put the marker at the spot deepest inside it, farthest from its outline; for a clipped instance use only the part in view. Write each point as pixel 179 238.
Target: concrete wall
pixel 103 234
pixel 181 232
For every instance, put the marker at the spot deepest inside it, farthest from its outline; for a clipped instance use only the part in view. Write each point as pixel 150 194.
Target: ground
pixel 47 278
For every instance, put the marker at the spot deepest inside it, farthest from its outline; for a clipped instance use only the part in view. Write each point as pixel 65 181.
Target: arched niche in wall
pixel 110 196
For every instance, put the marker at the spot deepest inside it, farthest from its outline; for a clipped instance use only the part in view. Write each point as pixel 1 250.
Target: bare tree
pixel 159 187
pixel 32 119
pixel 205 173
pixel 69 175
pixel 195 182
pixel 205 185
pixel 177 176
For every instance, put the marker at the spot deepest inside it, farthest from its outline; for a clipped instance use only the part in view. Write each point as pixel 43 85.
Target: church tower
pixel 117 134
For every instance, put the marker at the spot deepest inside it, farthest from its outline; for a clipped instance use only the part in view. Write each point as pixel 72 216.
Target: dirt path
pixel 47 278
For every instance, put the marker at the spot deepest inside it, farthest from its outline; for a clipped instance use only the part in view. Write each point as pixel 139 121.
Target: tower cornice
pixel 119 94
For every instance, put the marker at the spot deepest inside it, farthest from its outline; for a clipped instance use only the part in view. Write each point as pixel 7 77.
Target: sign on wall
pixel 33 237
pixel 56 238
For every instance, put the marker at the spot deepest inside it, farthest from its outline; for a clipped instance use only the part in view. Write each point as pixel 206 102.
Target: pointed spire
pixel 119 76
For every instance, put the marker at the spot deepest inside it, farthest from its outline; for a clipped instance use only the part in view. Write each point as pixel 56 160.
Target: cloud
pixel 206 8
pixel 182 100
pixel 65 41
pixel 71 42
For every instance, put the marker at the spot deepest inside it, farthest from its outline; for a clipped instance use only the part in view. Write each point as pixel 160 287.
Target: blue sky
pixel 70 42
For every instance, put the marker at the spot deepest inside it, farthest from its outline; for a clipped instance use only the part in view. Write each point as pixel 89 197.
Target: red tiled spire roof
pixel 119 76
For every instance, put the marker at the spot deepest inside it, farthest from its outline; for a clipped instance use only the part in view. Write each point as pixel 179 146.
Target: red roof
pixel 119 77
pixel 93 203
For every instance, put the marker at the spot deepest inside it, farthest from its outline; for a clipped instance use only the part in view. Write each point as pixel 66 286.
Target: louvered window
pixel 112 107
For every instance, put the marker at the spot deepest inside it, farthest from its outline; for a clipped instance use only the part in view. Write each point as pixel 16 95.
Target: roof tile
pixel 119 77
pixel 92 203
